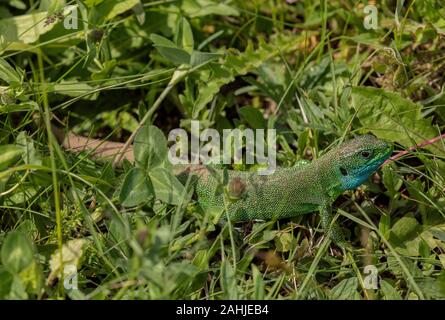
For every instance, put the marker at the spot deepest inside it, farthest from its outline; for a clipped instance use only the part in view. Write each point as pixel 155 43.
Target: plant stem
pixel 51 143
pixel 178 75
pixel 419 145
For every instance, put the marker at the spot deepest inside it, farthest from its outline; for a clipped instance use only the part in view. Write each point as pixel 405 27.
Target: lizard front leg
pixel 332 228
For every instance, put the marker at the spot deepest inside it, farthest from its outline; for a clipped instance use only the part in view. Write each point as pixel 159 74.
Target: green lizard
pixel 290 192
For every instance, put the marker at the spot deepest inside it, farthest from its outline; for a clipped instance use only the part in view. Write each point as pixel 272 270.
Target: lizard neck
pixel 325 173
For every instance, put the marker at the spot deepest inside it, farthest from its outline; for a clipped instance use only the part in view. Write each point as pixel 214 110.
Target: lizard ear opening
pixel 343 171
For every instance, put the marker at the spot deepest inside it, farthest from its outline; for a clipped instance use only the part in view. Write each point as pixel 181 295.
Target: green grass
pixel 310 70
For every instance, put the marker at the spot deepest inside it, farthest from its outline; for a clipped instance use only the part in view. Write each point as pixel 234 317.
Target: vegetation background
pixel 309 69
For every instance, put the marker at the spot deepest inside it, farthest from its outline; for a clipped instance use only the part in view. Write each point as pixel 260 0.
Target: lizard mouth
pixel 384 155
pixel 381 157
pixel 353 177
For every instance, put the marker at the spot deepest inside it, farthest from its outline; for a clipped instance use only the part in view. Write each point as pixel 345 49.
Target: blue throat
pixel 353 181
pixel 357 178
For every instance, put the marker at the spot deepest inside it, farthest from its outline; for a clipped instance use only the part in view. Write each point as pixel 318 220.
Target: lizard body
pixel 289 192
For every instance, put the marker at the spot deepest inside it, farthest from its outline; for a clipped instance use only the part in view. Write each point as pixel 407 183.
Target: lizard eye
pixel 366 154
pixel 343 171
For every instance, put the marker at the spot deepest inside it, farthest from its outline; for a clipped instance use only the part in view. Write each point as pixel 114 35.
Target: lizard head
pixel 358 158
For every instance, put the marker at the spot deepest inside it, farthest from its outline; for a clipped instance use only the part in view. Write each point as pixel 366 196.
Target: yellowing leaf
pixel 71 256
pixel 25 28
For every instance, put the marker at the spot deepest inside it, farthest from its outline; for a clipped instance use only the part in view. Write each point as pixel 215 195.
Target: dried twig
pixel 413 148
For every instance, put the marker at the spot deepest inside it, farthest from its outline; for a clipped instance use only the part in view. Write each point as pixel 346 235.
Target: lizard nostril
pixel 343 171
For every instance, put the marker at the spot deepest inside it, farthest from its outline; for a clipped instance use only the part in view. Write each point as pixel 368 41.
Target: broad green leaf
pixel 184 35
pixel 92 3
pixel 22 195
pixel 404 229
pixel 439 232
pixel 346 290
pixel 388 291
pixel 18 289
pixel 162 41
pixel 8 73
pixel 106 71
pixel 120 6
pixel 391 117
pixel 150 147
pixel 17 4
pixel 103 11
pixel 200 8
pixel 201 259
pixel 52 6
pixel 6 279
pixel 169 50
pixel 119 232
pixel 236 64
pixel 175 55
pixel 433 288
pixel 139 12
pixel 392 181
pixel 269 235
pixel 32 278
pixel 166 186
pixel 74 89
pixel 25 29
pixel 424 249
pixel 253 117
pixel 24 106
pixel 199 58
pixel 9 154
pixel 136 188
pixel 406 235
pixel 396 269
pixel 17 252
pixel 30 154
pixel 385 225
pixel 185 241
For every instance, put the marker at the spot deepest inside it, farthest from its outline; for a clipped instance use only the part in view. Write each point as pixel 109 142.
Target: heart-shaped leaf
pixel 166 186
pixel 17 252
pixel 136 188
pixel 150 147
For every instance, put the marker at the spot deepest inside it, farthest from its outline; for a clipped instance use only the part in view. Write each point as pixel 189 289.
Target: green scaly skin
pixel 290 192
